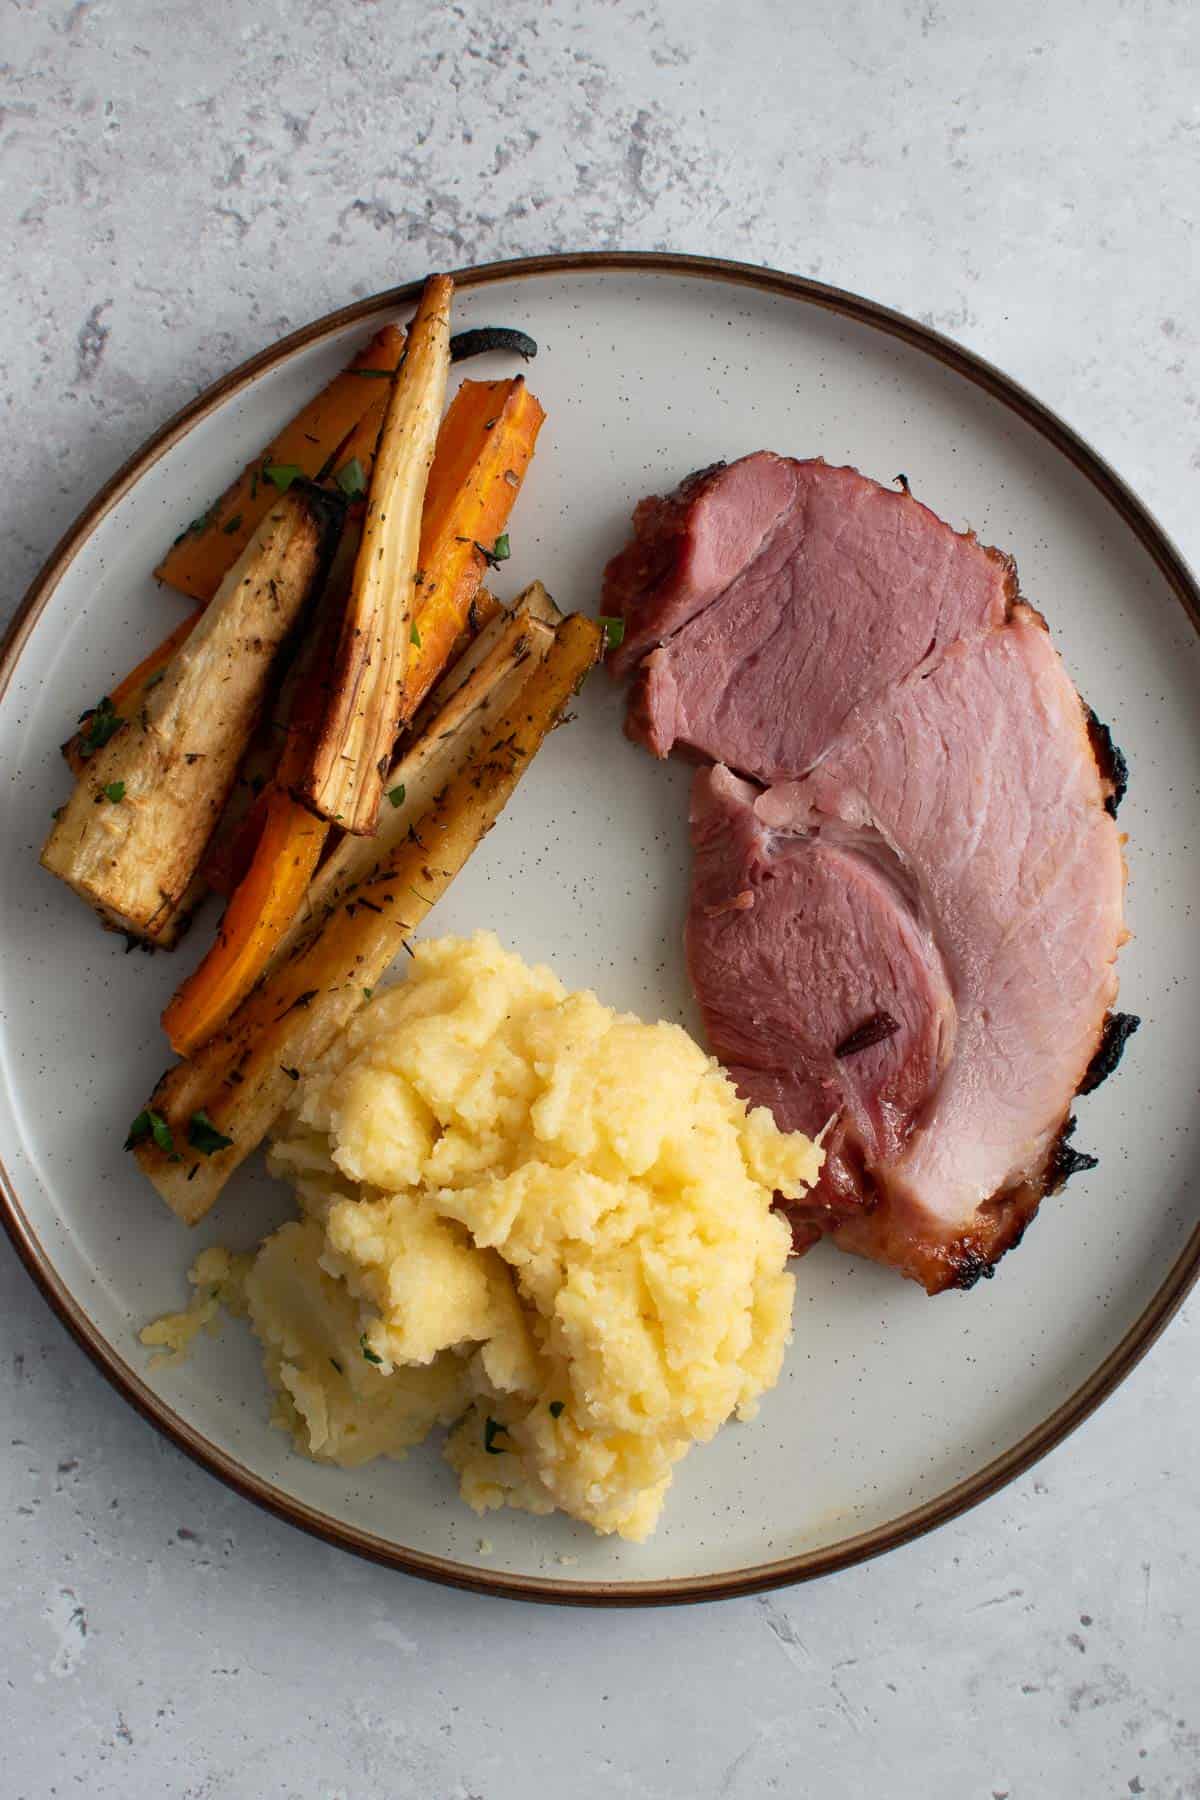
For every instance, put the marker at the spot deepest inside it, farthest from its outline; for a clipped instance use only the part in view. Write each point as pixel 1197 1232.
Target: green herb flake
pixel 292 1074
pixel 557 1408
pixel 499 552
pixel 102 723
pixel 58 812
pixel 203 1135
pixel 283 474
pixel 151 1124
pixel 614 632
pixel 368 1354
pixel 337 1365
pixel 352 479
pixel 491 1431
pixel 154 680
pixel 194 527
pixel 233 525
pixel 367 992
pixel 114 791
pixel 396 795
pixel 414 636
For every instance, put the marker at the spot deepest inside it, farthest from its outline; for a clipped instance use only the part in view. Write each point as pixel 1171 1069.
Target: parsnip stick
pixel 365 696
pixel 131 836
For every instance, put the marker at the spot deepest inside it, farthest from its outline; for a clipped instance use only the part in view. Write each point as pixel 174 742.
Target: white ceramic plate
pixel 894 1410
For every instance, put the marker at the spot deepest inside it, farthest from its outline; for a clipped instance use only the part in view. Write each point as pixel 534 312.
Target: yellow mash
pixel 535 1220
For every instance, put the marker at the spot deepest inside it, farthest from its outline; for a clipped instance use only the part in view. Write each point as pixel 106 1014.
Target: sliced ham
pixel 848 590
pixel 903 931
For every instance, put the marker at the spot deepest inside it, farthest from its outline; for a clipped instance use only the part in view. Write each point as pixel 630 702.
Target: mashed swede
pixel 533 1219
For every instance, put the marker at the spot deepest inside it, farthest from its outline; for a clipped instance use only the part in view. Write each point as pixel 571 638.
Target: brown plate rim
pixel 810 1564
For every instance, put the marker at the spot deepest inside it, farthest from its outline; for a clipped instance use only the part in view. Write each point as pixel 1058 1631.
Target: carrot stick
pixel 257 916
pixel 201 555
pixel 483 450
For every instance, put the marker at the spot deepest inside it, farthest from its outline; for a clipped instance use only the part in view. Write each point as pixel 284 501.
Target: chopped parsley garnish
pixel 414 636
pixel 374 374
pixel 196 526
pixel 491 1431
pixel 499 552
pixel 396 795
pixel 58 812
pixel 367 1351
pixel 154 680
pixel 203 1135
pixel 337 1365
pixel 557 1408
pixel 102 723
pixel 283 474
pixel 292 1074
pixel 150 1124
pixel 614 632
pixel 367 992
pixel 233 525
pixel 352 479
pixel 114 791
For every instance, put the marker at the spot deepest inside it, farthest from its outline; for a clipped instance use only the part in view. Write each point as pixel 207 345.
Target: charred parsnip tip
pixel 206 550
pixel 207 1115
pixel 130 839
pixel 364 702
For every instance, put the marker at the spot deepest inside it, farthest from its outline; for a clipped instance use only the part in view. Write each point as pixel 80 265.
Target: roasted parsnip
pixel 349 759
pixel 131 836
pixel 207 1115
pixel 103 720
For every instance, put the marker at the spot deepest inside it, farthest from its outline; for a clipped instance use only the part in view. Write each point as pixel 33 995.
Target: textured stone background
pixel 183 182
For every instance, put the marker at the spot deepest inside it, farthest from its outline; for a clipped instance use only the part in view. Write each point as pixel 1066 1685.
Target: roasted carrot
pixel 483 450
pixel 257 916
pixel 125 696
pixel 354 459
pixel 201 555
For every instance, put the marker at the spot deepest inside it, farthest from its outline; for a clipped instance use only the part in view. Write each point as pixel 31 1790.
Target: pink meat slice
pixel 904 927
pixel 983 778
pixel 828 601
pixel 796 941
pixel 688 546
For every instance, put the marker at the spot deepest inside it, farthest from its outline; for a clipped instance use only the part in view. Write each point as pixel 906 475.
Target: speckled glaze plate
pixel 894 1411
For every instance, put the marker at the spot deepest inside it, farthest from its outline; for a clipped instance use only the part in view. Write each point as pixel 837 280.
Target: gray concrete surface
pixel 180 184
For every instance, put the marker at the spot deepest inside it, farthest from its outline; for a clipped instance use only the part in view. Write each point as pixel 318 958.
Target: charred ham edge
pixel 1110 760
pixel 974 1257
pixel 1118 1029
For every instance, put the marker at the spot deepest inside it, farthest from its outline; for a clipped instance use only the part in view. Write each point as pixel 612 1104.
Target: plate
pixel 895 1411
